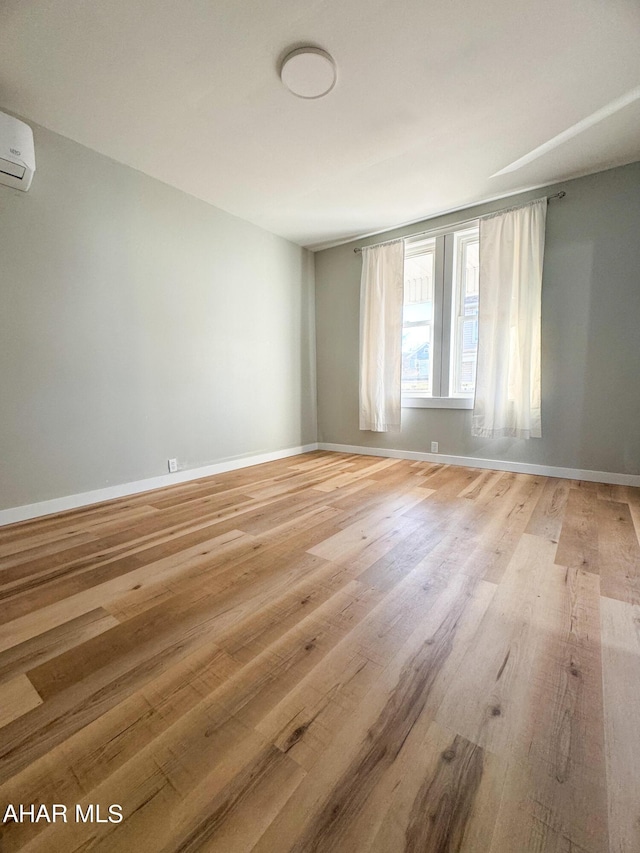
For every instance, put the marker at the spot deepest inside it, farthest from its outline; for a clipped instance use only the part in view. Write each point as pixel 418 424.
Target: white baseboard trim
pixel 494 464
pixel 55 505
pixel 22 513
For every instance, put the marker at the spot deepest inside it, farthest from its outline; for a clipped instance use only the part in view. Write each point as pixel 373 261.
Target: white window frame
pixel 446 278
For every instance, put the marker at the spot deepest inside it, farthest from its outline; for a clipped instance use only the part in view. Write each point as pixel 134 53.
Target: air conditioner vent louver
pixel 17 156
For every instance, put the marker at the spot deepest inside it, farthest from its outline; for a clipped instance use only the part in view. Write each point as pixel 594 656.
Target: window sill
pixel 415 402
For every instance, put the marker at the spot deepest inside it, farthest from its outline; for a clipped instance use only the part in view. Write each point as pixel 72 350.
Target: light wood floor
pixel 328 653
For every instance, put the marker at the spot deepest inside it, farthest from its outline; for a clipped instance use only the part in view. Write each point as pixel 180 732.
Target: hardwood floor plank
pixel 78 765
pixel 242 700
pixel 321 459
pixel 546 519
pixel 363 474
pixel 329 810
pixel 26 551
pixel 17 696
pixel 542 710
pixel 507 515
pixel 447 801
pixel 40 592
pixel 59 525
pixel 307 720
pixel 246 558
pixel 448 482
pixel 485 482
pixel 619 552
pixel 349 539
pixel 634 509
pixel 558 764
pixel 527 823
pixel 244 697
pixel 152 790
pixel 404 556
pixel 486 703
pixel 242 810
pixel 98 593
pixel 621 677
pixel 578 542
pixel 145 648
pixel 43 647
pixel 486 530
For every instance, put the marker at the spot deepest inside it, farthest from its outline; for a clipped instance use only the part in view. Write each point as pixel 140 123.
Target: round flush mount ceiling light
pixel 308 72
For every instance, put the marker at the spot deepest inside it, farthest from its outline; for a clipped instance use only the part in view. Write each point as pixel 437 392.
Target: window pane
pixel 465 327
pixel 417 322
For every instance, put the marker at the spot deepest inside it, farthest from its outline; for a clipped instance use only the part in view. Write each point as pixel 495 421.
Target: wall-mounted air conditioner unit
pixel 17 155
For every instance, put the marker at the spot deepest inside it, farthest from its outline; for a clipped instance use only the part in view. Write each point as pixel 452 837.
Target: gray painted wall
pixel 138 323
pixel 590 338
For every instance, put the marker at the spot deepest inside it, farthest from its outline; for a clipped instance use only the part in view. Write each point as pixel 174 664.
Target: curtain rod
pixel 358 249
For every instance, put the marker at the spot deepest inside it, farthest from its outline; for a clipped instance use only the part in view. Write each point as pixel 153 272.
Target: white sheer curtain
pixel 507 400
pixel 381 299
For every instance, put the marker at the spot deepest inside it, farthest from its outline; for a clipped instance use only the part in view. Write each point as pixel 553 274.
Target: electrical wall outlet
pixel 173 466
pixel 434 446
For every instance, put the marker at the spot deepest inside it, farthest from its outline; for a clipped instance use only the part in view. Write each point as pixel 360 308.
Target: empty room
pixel 319 426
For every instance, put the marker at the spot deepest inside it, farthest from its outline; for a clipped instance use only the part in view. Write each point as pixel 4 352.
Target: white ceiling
pixel 433 98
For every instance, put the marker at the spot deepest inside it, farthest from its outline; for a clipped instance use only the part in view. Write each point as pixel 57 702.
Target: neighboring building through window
pixel 440 317
pixel 464 352
pixel 417 318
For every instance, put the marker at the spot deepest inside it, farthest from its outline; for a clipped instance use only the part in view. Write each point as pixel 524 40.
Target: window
pixel 440 319
pixel 417 319
pixel 464 352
